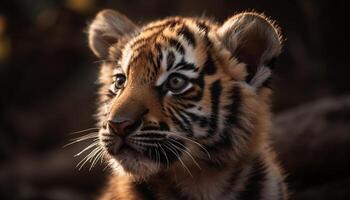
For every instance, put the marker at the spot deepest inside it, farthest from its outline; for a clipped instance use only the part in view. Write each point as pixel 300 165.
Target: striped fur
pixel 209 140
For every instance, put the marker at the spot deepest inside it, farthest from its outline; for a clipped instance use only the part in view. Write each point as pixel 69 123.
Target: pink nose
pixel 120 128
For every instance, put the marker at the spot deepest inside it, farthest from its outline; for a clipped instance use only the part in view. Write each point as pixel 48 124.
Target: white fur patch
pixel 126 57
pixel 262 74
pixel 189 57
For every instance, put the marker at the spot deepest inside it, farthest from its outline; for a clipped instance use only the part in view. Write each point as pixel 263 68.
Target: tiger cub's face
pixel 181 92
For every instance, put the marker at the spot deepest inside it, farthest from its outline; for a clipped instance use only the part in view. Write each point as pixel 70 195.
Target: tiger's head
pixel 182 92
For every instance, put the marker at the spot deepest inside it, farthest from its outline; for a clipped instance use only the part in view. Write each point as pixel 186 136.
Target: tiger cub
pixel 184 107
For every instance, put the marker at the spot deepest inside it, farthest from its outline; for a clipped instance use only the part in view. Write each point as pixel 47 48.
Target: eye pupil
pixel 176 83
pixel 119 81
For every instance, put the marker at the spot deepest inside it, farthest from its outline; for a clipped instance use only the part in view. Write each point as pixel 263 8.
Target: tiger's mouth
pixel 115 143
pixel 144 144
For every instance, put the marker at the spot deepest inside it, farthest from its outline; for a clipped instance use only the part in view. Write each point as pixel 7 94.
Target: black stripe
pixel 177 45
pixel 170 60
pixel 141 47
pixel 138 41
pixel 154 63
pixel 188 35
pixel 170 22
pixel 110 94
pixel 209 67
pixel 254 184
pixel 201 25
pixel 224 143
pixel 188 125
pixel 173 24
pixel 176 121
pixel 187 105
pixel 183 65
pixel 234 110
pixel 187 66
pixel 179 64
pixel 231 182
pixel 203 121
pixel 195 97
pixel 145 191
pixel 159 54
pixel 215 92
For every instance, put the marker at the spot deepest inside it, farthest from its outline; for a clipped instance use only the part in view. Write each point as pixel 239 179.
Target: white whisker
pixel 82 138
pixel 166 157
pixel 178 157
pixel 86 148
pixel 158 157
pixel 97 156
pixel 82 131
pixel 186 150
pixel 87 158
pixel 185 138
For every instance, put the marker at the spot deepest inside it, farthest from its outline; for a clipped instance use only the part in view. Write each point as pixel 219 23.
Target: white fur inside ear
pixel 106 29
pixel 261 75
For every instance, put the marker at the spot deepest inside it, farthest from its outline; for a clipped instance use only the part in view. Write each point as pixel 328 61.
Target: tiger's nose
pixel 121 128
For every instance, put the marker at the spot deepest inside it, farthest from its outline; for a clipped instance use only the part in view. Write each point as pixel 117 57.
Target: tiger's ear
pixel 253 40
pixel 106 29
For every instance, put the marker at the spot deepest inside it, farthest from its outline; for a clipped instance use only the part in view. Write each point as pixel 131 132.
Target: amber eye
pixel 119 81
pixel 177 83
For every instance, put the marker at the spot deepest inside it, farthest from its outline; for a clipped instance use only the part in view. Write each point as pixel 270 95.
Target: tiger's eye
pixel 119 81
pixel 176 83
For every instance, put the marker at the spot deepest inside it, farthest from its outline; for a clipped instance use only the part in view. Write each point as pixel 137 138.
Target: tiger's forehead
pixel 165 46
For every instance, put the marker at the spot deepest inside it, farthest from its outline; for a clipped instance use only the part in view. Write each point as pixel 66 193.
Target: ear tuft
pixel 254 40
pixel 107 28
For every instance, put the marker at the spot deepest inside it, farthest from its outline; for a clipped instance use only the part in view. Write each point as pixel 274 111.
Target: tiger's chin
pixel 133 165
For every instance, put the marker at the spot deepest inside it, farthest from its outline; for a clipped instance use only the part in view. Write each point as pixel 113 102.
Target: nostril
pixel 120 128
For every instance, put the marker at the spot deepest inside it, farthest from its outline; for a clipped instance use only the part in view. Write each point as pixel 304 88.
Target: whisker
pixel 185 138
pixel 194 142
pixel 87 158
pixel 148 143
pixel 86 148
pixel 82 131
pixel 164 153
pixel 87 136
pixel 186 150
pixel 107 165
pixel 97 155
pixel 158 157
pixel 150 154
pixel 178 157
pixel 82 138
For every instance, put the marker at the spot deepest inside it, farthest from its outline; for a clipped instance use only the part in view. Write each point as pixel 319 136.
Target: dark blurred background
pixel 47 90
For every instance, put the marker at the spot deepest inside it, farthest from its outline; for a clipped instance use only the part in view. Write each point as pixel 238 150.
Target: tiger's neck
pixel 254 178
